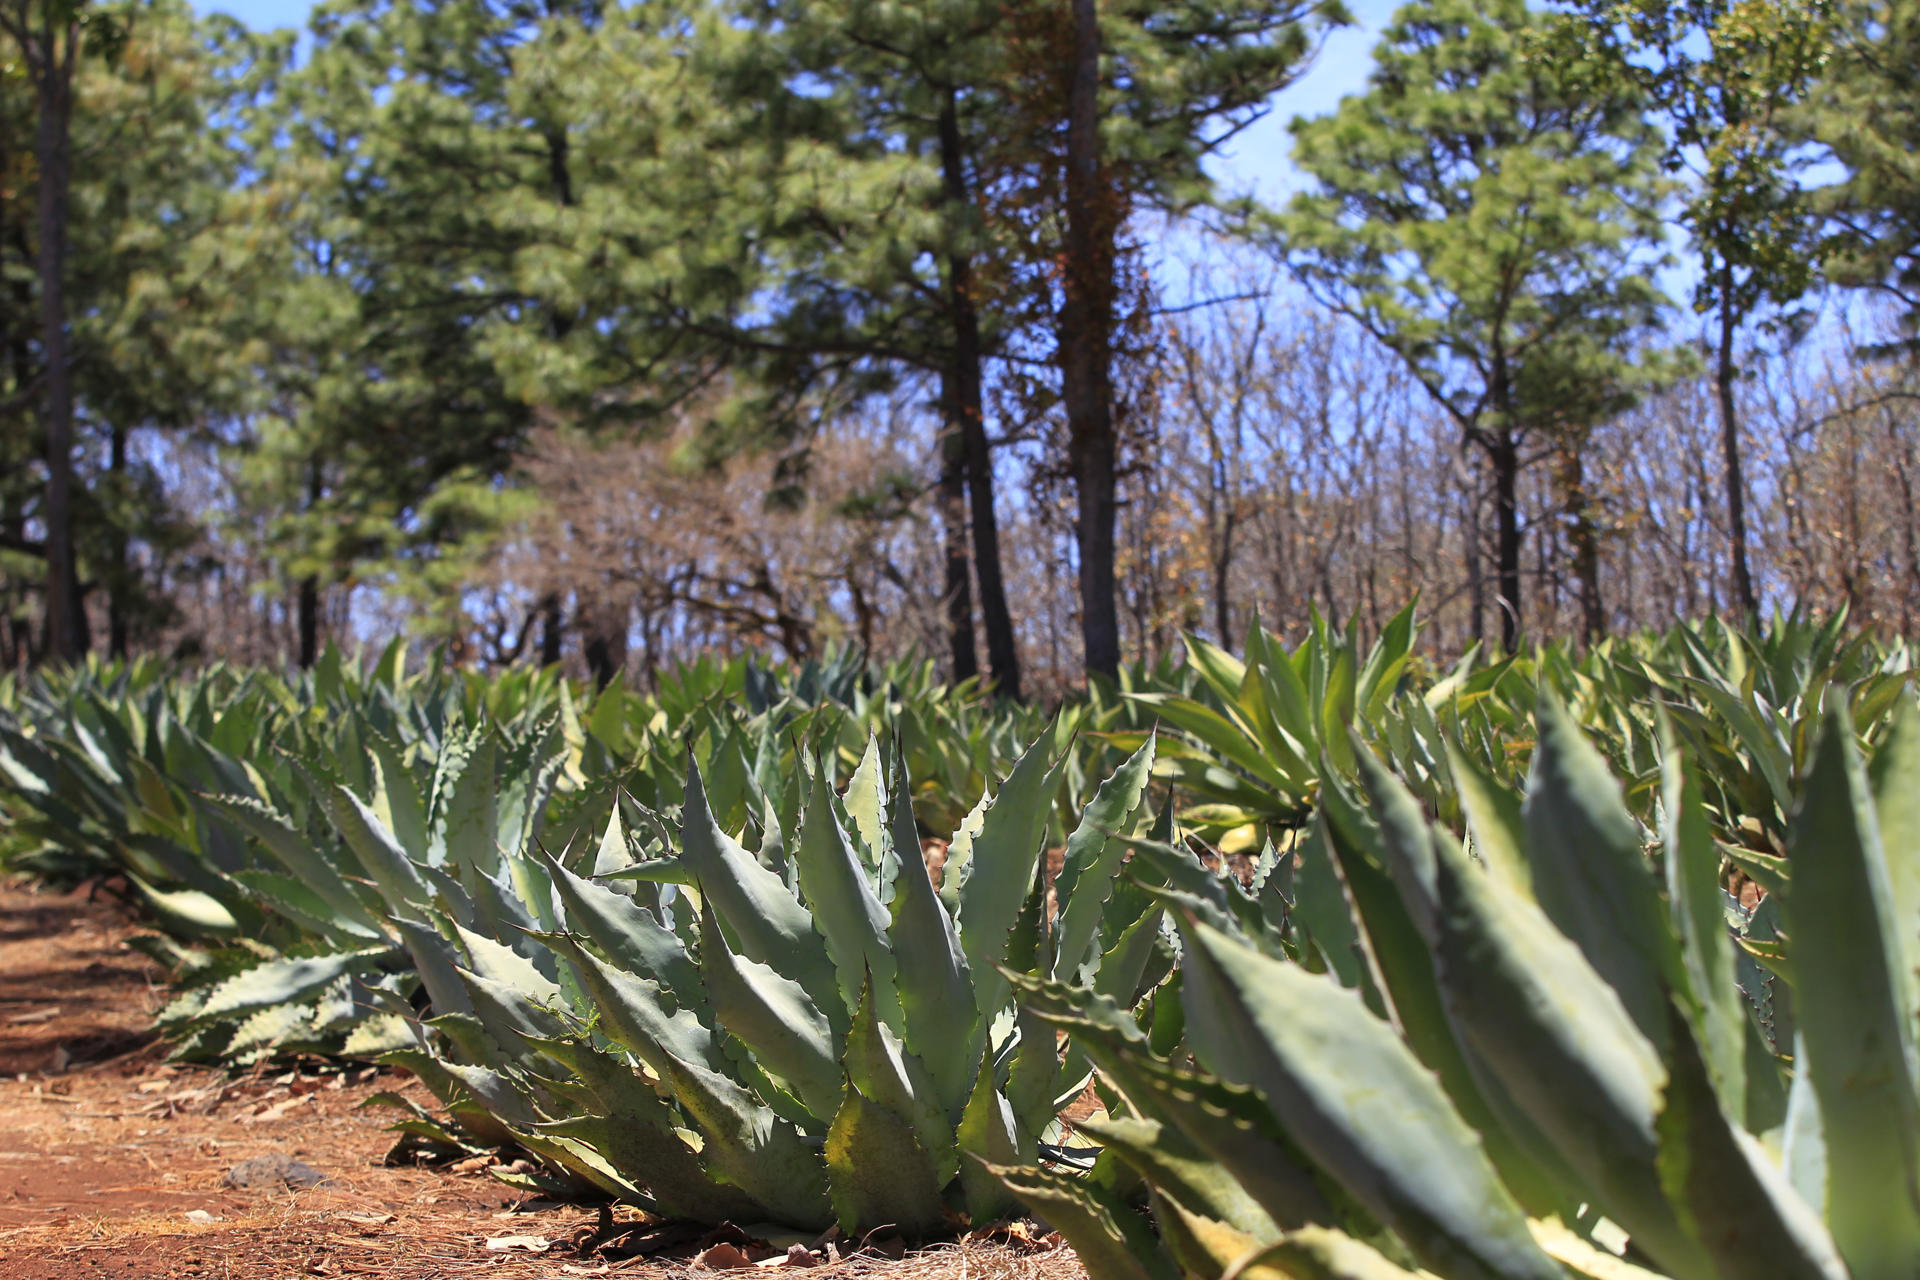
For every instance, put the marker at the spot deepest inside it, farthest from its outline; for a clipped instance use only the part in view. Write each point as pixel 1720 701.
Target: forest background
pixel 1015 332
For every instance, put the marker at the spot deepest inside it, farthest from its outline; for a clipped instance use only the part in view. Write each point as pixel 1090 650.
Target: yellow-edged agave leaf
pixel 1856 1010
pixel 1555 1037
pixel 746 1144
pixel 1729 1193
pixel 936 989
pixel 878 1172
pixel 1112 1241
pixel 1207 1247
pixel 1172 1164
pixel 1357 1101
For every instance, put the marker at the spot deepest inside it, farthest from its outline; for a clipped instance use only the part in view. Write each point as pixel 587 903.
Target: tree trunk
pixel 53 77
pixel 1723 379
pixel 1585 542
pixel 1504 453
pixel 605 640
pixel 965 403
pixel 953 541
pixel 550 630
pixel 1086 374
pixel 307 594
pixel 120 583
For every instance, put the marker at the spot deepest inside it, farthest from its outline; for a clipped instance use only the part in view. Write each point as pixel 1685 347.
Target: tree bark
pixel 550 629
pixel 1086 340
pixel 1585 541
pixel 120 584
pixel 1724 375
pixel 605 640
pixel 965 405
pixel 53 153
pixel 1504 452
pixel 953 542
pixel 307 594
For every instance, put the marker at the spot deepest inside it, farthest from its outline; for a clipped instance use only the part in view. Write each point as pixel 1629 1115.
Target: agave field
pixel 1601 964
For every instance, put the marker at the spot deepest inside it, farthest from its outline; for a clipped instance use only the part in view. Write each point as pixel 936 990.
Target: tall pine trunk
pixel 968 414
pixel 1504 453
pixel 1086 350
pixel 307 594
pixel 1584 539
pixel 953 540
pixel 120 589
pixel 1724 375
pixel 53 154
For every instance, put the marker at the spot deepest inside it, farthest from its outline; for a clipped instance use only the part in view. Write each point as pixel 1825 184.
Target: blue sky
pixel 1256 163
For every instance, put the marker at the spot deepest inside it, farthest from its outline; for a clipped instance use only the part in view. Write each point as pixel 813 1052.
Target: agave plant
pixel 804 1032
pixel 1542 1061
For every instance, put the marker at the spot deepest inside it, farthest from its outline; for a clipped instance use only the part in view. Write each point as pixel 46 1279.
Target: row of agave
pixel 1522 1050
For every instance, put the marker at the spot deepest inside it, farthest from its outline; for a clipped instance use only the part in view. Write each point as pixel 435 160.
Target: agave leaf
pixel 396 801
pixel 276 982
pixel 1895 776
pixel 499 963
pixel 1112 1241
pixel 771 926
pixel 877 1065
pixel 629 934
pixel 1357 1101
pixel 771 1015
pixel 866 799
pixel 1232 739
pixel 987 1135
pixel 437 963
pixel 1856 1011
pixel 997 875
pixel 298 902
pixel 960 852
pixel 1093 858
pixel 1732 1197
pixel 879 1174
pixel 1173 1165
pixel 746 1145
pixel 636 1132
pixel 1494 818
pixel 1555 1038
pixel 1589 875
pixel 381 858
pixel 294 851
pixel 936 989
pixel 1694 897
pixel 1401 949
pixel 845 908
pixel 186 912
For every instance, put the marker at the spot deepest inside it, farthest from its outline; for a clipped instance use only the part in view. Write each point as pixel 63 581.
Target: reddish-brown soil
pixel 112 1160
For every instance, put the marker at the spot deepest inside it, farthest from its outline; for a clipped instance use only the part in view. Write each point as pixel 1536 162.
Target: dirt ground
pixel 112 1161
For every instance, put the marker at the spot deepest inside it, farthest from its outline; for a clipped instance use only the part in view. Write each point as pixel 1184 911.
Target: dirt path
pixel 112 1161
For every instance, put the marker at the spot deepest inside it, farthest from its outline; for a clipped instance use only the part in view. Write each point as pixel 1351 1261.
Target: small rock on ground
pixel 272 1171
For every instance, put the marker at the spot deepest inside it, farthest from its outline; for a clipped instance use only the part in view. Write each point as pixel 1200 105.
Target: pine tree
pixel 1726 78
pixel 1491 221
